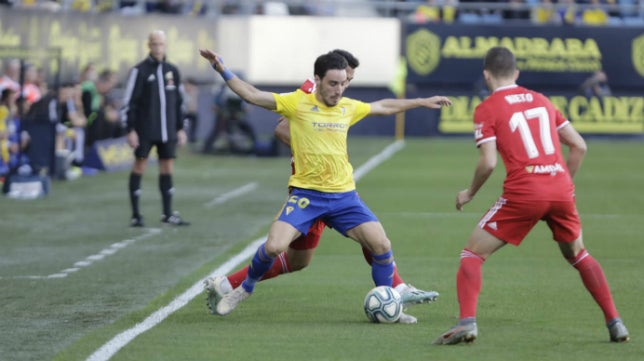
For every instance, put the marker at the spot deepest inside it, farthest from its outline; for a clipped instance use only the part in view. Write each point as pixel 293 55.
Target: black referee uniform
pixel 153 108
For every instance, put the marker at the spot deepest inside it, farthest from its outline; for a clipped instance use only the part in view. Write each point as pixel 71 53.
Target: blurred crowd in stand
pixel 65 120
pixel 50 130
pixel 80 111
pixel 590 12
pixel 554 12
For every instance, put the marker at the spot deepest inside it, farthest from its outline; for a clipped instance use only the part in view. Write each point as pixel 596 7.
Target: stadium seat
pixel 275 8
pixel 469 18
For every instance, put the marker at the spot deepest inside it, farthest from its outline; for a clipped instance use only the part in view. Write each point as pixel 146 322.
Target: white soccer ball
pixel 383 304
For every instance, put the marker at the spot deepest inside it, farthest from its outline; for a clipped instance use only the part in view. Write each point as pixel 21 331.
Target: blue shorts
pixel 340 211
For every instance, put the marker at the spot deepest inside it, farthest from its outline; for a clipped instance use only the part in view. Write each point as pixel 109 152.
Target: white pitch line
pixel 109 349
pixel 119 341
pixel 235 193
pixel 378 159
pixel 89 260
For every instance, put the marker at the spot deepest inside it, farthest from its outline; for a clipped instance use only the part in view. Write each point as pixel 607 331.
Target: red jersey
pixel 525 126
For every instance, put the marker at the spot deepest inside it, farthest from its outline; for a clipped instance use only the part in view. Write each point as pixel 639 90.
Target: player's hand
pixel 437 102
pixel 133 139
pixel 215 60
pixel 182 138
pixel 463 197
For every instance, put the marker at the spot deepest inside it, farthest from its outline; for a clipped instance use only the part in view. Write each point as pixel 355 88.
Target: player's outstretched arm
pixel 245 90
pixel 393 106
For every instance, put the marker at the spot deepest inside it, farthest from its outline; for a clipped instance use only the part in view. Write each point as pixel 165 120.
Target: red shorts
pixel 510 221
pixel 311 239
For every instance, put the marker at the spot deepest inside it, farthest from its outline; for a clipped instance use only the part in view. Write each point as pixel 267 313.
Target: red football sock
pixel 279 266
pixel 396 278
pixel 468 282
pixel 595 281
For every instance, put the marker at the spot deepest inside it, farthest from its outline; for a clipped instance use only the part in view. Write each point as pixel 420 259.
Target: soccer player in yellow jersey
pixel 300 251
pixel 322 182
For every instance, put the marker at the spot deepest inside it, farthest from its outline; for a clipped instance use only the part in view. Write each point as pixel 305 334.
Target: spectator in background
pixel 82 5
pixel 450 11
pixel 516 10
pixel 545 13
pixel 231 131
pixel 11 76
pixel 101 108
pixel 31 89
pixel 596 85
pixel 41 81
pixel 191 105
pixel 16 140
pixel 88 74
pixel 170 6
pixel 7 111
pixel 70 135
pixel 595 14
pixel 568 12
pixel 427 12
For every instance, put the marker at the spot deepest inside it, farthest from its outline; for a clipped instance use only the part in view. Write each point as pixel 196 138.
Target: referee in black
pixel 153 117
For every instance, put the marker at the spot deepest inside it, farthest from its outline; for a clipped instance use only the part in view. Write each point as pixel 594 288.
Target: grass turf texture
pixel 532 307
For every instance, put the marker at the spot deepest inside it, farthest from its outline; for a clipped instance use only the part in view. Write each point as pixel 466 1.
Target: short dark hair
pixel 105 75
pixel 329 61
pixel 351 60
pixel 6 94
pixel 500 62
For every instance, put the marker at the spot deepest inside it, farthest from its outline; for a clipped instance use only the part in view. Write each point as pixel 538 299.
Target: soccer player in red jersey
pixel 300 251
pixel 527 131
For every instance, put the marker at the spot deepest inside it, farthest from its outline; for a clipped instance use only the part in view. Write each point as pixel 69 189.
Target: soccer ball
pixel 383 304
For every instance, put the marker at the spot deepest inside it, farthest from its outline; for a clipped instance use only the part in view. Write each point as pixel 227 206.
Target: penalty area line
pixel 119 341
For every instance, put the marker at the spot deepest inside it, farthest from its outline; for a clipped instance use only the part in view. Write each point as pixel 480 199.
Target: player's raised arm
pixel 245 90
pixel 393 106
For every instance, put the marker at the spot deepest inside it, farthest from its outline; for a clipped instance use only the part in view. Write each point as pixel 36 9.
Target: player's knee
pixel 380 246
pixel 273 249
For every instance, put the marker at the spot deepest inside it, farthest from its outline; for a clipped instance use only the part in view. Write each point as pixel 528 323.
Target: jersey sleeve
pixel 484 126
pixel 361 110
pixel 287 102
pixel 560 120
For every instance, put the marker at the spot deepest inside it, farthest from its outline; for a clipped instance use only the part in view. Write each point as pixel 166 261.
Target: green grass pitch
pixel 532 307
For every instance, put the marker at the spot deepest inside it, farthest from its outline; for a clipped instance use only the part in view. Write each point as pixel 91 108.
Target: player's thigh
pixel 371 235
pixel 311 239
pixel 300 251
pixel 349 212
pixel 279 237
pixel 299 259
pixel 483 243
